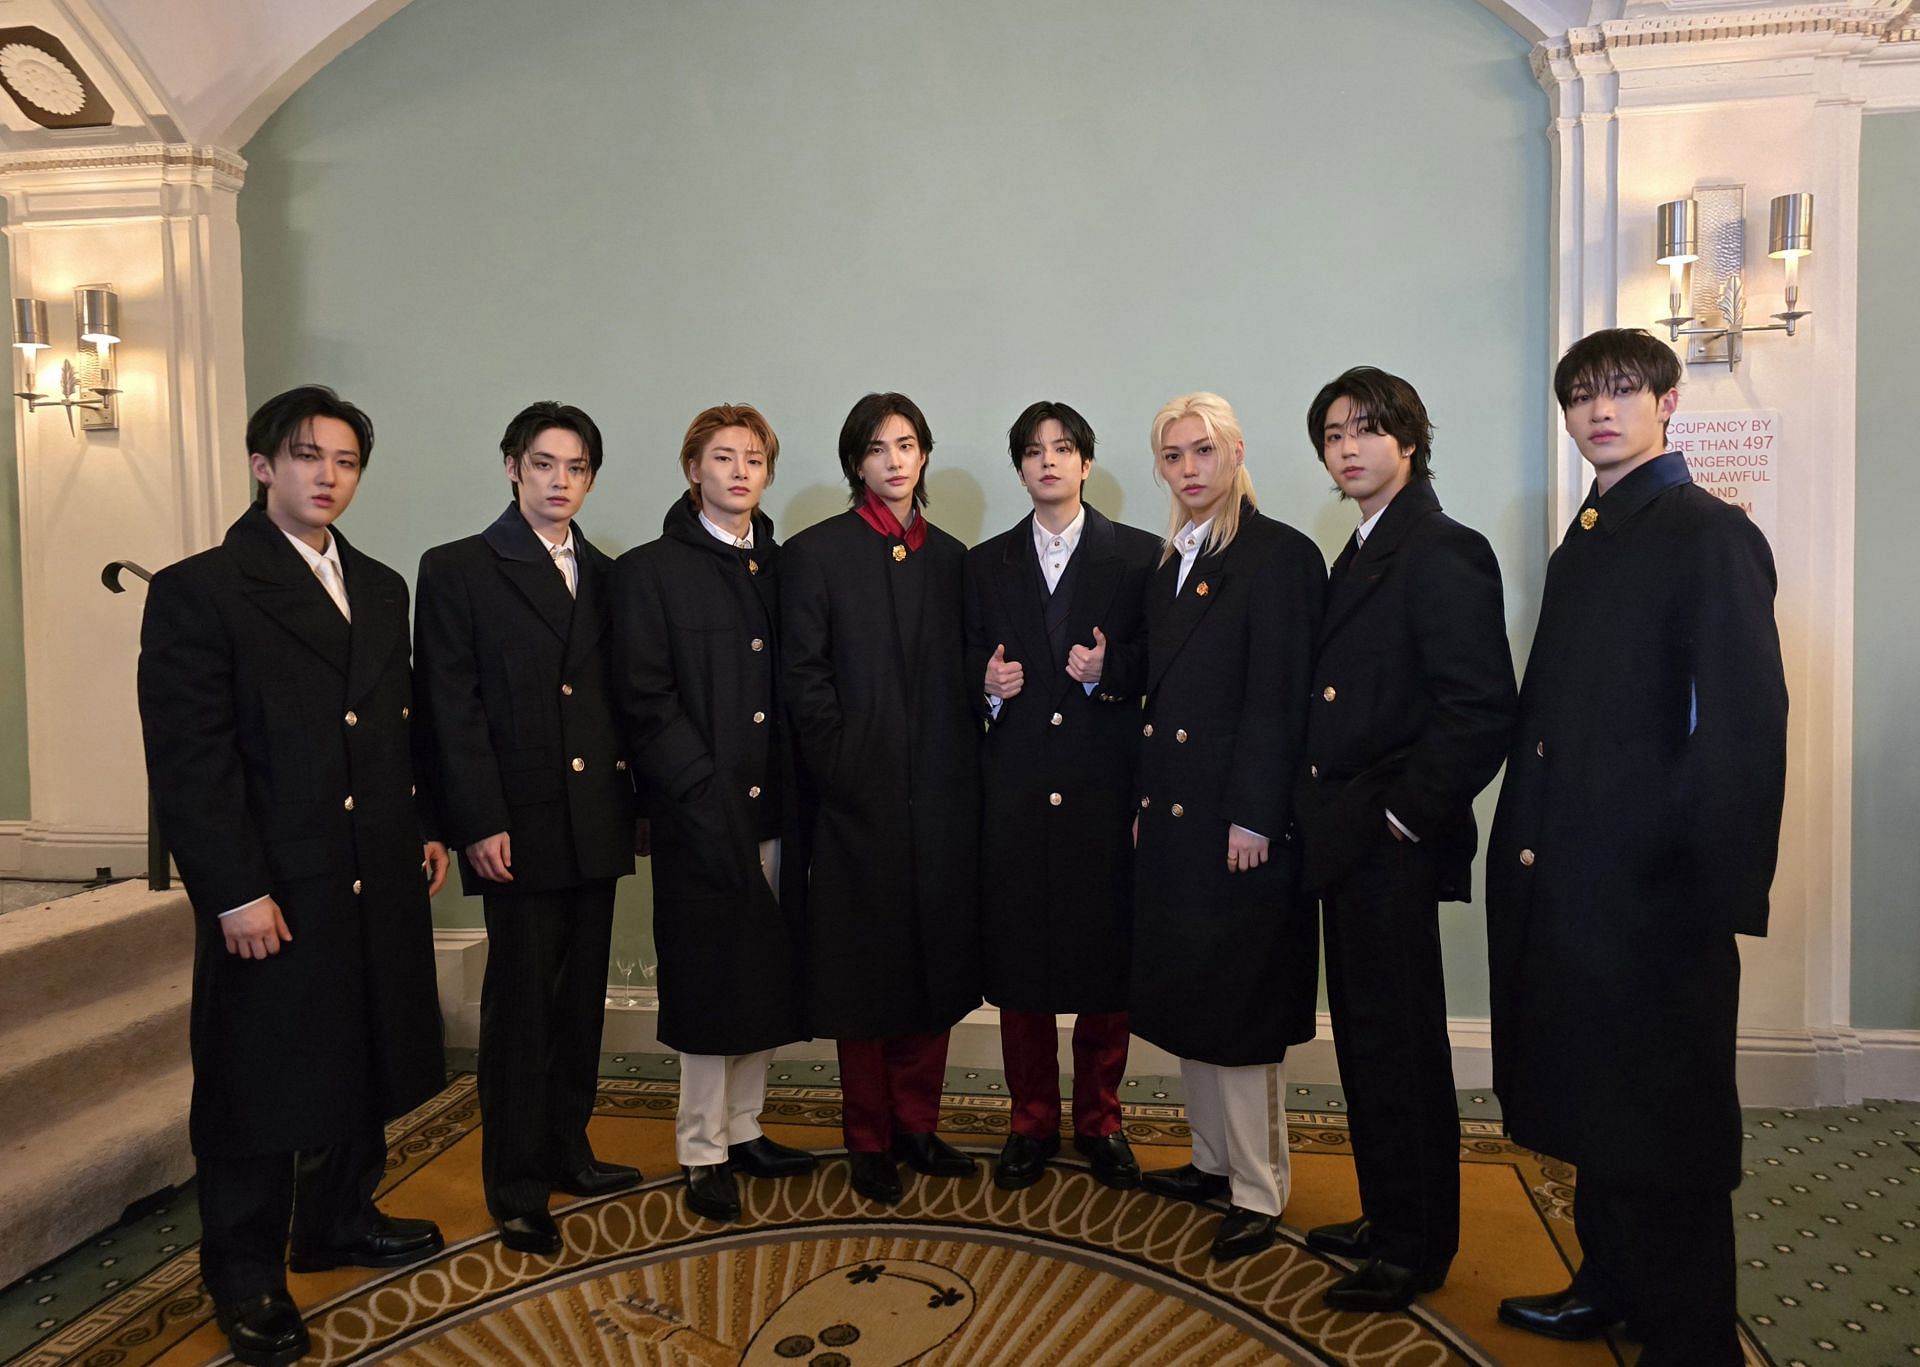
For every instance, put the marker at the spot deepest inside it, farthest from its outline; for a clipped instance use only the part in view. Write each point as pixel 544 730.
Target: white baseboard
pixel 1785 1068
pixel 75 852
pixel 12 834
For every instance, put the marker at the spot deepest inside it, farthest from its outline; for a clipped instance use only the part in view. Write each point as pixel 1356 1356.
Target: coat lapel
pixel 1374 560
pixel 529 567
pixel 281 585
pixel 589 619
pixel 379 622
pixel 1018 582
pixel 1094 583
pixel 1169 626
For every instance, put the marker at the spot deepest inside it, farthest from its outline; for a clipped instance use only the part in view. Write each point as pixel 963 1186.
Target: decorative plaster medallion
pixel 37 75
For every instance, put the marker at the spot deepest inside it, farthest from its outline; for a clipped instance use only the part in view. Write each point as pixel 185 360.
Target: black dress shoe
pixel 387 1243
pixel 711 1192
pixel 1353 1239
pixel 1560 1315
pixel 1186 1183
pixel 265 1330
pixel 534 1232
pixel 1023 1161
pixel 1242 1232
pixel 1380 1286
pixel 932 1155
pixel 1112 1158
pixel 876 1178
pixel 762 1157
pixel 597 1179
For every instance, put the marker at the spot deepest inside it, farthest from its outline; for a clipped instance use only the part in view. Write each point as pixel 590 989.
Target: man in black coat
pixel 884 717
pixel 695 620
pixel 1225 950
pixel 1412 707
pixel 1062 593
pixel 512 652
pixel 1636 836
pixel 275 699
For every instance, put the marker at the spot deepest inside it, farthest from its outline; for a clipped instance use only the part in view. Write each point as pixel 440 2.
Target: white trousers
pixel 1239 1122
pixel 722 1095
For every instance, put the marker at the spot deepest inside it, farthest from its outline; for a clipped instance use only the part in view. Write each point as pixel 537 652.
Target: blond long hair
pixel 1223 429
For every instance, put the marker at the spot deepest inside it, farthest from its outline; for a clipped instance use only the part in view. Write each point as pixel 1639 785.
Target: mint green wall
pixel 646 207
pixel 13 656
pixel 1886 567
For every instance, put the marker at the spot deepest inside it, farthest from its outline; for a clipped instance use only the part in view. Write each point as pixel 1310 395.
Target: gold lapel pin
pixel 899 552
pixel 753 567
pixel 1588 519
pixel 1200 589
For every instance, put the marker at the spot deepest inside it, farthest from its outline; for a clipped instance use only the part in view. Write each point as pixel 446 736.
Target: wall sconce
pixel 86 379
pixel 1716 218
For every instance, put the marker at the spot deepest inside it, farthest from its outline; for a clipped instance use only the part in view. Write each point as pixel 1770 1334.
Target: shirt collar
pixel 1365 529
pixel 313 557
pixel 1193 537
pixel 1069 539
pixel 1639 488
pixel 558 548
pixel 719 533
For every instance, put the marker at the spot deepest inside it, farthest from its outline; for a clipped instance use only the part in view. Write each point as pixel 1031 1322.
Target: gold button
pixel 758 644
pixel 1313 771
pixel 754 791
pixel 1180 736
pixel 566 690
pixel 1540 749
pixel 579 765
pixel 1178 810
pixel 1054 798
pixel 405 712
pixel 1147 730
pixel 753 566
pixel 356 887
pixel 1526 857
pixel 759 717
pixel 348 804
pixel 899 553
pixel 353 719
pixel 1057 718
pixel 1588 518
pixel 1328 693
pixel 621 765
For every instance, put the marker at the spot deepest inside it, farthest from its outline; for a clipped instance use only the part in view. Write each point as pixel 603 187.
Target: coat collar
pixel 1634 492
pixel 1169 627
pixel 682 523
pixel 528 565
pixel 286 590
pixel 1369 564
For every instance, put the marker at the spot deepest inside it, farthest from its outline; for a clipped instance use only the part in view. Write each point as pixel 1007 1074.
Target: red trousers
pixel 1029 1046
pixel 891 1086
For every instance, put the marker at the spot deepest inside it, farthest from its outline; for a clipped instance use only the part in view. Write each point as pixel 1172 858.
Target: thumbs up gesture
pixel 1005 678
pixel 1084 663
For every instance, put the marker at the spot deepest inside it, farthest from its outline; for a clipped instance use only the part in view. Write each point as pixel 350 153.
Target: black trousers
pixel 1388 996
pixel 541 1009
pixel 1663 1260
pixel 247 1205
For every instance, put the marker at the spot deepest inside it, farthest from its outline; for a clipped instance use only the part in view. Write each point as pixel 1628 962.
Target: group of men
pixel 881 775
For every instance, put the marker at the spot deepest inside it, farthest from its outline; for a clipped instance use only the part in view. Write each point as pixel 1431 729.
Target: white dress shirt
pixel 719 533
pixel 565 559
pixel 1054 550
pixel 1188 543
pixel 326 568
pixel 1360 536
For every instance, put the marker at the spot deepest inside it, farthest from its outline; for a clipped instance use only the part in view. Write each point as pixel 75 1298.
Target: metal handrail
pixel 159 865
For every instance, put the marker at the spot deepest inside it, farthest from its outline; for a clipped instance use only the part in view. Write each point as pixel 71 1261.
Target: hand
pixel 1004 680
pixel 642 837
pixel 492 858
pixel 1083 664
pixel 1245 850
pixel 256 930
pixel 434 860
pixel 1394 831
pixel 1136 830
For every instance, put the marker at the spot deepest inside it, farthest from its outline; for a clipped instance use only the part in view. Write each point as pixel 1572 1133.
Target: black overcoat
pixel 1413 702
pixel 885 722
pixel 1057 769
pixel 1636 834
pixel 1226 965
pixel 513 674
pixel 280 749
pixel 696 636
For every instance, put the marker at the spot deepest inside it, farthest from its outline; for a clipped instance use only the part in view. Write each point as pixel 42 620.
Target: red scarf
pixel 877 515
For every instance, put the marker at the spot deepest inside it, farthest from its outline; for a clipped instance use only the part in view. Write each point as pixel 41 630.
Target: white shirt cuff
pixel 1244 831
pixel 243 906
pixel 1402 829
pixel 993 706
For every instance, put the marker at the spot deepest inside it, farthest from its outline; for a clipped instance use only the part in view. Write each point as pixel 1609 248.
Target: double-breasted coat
pixel 1057 768
pixel 888 734
pixel 280 748
pixel 1225 964
pixel 513 672
pixel 1636 834
pixel 1413 701
pixel 696 633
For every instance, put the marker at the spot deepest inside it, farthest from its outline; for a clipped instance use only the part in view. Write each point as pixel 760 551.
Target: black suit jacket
pixel 279 744
pixel 1057 769
pixel 1412 702
pixel 515 674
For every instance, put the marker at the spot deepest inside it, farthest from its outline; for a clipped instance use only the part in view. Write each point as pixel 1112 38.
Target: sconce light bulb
pixel 1676 286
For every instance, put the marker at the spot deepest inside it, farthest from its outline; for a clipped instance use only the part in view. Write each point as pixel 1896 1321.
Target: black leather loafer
pixel 932 1155
pixel 1023 1161
pixel 1560 1315
pixel 876 1178
pixel 762 1157
pixel 387 1243
pixel 597 1179
pixel 1186 1183
pixel 534 1232
pixel 264 1330
pixel 1378 1286
pixel 1112 1159
pixel 1242 1232
pixel 1353 1239
pixel 711 1192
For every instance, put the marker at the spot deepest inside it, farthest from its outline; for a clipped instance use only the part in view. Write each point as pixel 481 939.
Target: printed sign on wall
pixel 1734 456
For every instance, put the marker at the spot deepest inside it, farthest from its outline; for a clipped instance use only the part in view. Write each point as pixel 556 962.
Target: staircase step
pixel 64 1183
pixel 68 1060
pixel 99 943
